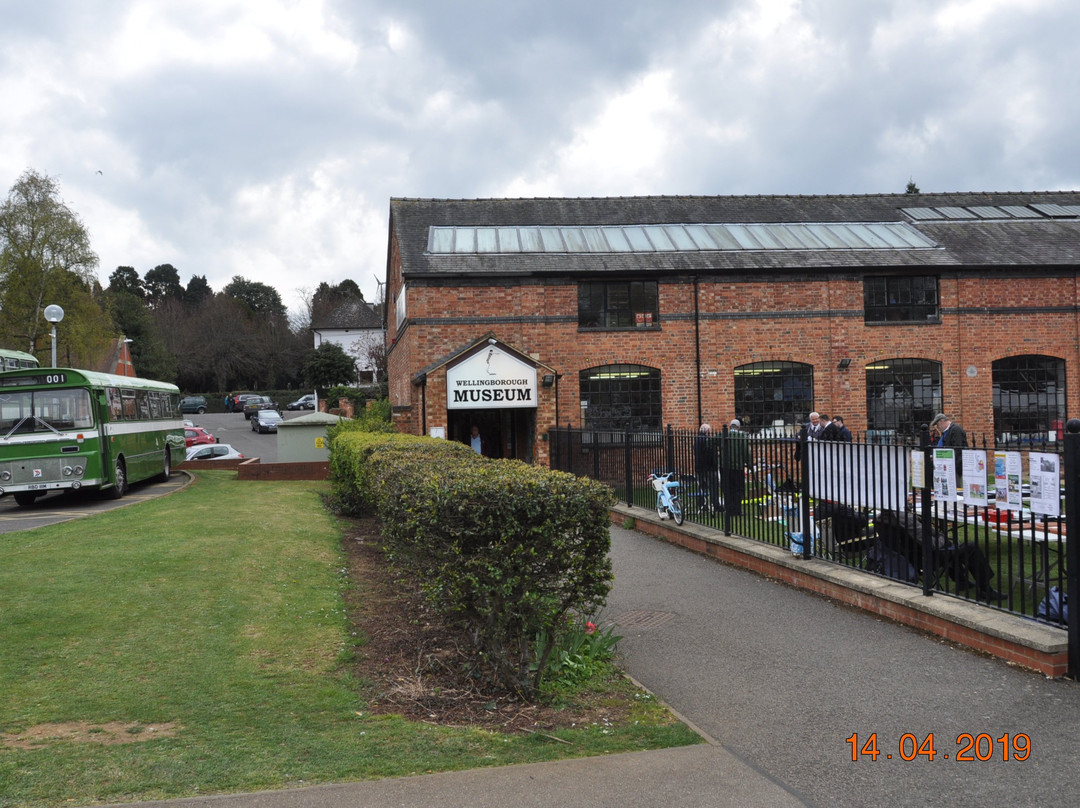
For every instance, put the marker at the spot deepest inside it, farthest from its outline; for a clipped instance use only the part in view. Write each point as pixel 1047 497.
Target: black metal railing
pixel 857 504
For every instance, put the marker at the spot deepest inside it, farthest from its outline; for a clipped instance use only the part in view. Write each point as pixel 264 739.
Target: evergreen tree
pixel 328 366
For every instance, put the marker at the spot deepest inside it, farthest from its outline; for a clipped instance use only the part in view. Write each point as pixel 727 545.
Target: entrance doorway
pixel 506 433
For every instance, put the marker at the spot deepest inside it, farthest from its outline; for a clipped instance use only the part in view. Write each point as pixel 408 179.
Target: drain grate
pixel 642 619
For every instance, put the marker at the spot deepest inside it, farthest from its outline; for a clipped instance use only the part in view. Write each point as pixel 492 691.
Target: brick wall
pixel 767 317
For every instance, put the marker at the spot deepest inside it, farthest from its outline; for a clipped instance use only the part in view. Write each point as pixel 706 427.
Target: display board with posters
pixel 1045 481
pixel 1008 484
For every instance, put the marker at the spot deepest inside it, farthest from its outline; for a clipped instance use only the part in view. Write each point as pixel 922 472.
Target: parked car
pixel 195 404
pixel 303 403
pixel 265 421
pixel 239 399
pixel 197 436
pixel 254 404
pixel 219 451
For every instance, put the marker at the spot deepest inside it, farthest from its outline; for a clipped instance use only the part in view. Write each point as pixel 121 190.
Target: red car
pixel 196 435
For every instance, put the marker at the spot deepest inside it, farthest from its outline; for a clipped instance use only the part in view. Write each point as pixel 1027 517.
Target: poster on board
pixel 1045 480
pixel 974 464
pixel 1007 480
pixel 944 474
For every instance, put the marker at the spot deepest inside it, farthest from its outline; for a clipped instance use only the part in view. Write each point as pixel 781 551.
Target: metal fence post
pixel 669 449
pixel 804 495
pixel 926 504
pixel 1072 547
pixel 628 456
pixel 596 454
pixel 726 486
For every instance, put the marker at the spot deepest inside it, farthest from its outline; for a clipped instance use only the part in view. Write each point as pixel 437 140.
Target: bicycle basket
pixel 657 484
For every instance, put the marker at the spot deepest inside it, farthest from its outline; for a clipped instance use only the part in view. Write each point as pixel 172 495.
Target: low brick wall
pixel 210 465
pixel 1024 642
pixel 253 468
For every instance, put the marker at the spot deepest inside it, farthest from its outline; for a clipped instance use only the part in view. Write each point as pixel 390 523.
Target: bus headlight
pixel 79 470
pixel 5 476
pixel 67 471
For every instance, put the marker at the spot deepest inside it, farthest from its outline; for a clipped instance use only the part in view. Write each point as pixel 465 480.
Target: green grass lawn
pixel 211 622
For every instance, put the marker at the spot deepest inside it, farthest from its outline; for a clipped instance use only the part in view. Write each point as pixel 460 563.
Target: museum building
pixel 514 315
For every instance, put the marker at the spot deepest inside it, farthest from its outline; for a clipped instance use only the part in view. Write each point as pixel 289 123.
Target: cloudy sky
pixel 265 138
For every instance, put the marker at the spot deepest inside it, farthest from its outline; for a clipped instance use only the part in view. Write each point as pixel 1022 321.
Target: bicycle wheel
pixel 676 511
pixel 660 509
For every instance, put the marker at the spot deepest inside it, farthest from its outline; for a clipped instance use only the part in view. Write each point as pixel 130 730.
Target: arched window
pixel 771 392
pixel 902 395
pixel 1029 396
pixel 621 397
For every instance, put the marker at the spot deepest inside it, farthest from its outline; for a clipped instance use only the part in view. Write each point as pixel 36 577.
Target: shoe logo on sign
pixel 37 472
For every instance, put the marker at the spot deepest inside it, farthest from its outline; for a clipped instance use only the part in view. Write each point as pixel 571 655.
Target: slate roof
pixel 349 315
pixel 970 242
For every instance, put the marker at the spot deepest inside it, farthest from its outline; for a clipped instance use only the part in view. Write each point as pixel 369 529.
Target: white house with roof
pixel 357 328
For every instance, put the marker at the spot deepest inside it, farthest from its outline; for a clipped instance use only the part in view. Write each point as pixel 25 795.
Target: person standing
pixel 828 430
pixel 809 431
pixel 706 467
pixel 951 436
pixel 475 441
pixel 737 458
pixel 842 431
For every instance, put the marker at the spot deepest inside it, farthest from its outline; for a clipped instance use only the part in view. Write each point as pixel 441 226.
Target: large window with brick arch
pixel 901 396
pixel 901 299
pixel 1029 397
pixel 773 394
pixel 621 397
pixel 618 304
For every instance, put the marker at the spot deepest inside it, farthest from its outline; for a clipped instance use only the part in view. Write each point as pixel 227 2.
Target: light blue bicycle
pixel 667 495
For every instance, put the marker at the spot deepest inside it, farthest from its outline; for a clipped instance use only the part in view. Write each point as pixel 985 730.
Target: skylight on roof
pixel 669 238
pixel 973 212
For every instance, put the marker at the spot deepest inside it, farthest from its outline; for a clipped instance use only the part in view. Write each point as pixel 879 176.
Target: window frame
pixel 762 417
pixel 1029 422
pixel 628 396
pixel 892 300
pixel 891 420
pixel 607 305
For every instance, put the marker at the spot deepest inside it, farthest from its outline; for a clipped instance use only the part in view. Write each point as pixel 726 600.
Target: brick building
pixel 516 314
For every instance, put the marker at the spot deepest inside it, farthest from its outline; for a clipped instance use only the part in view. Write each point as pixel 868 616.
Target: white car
pixel 217 451
pixel 303 403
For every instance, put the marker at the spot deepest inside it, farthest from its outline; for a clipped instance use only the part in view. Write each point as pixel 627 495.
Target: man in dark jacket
pixel 706 467
pixel 737 457
pixel 950 433
pixel 951 436
pixel 829 430
pixel 843 432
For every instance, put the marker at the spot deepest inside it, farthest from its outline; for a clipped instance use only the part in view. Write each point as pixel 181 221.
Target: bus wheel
pixel 119 480
pixel 166 470
pixel 25 498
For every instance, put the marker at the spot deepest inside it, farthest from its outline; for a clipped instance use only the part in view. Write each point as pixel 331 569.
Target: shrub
pixel 502 549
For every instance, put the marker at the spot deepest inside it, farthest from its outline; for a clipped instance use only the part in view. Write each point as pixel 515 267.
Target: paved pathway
pixel 782 678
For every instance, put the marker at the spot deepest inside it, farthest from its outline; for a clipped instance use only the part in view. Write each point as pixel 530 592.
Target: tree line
pixel 239 338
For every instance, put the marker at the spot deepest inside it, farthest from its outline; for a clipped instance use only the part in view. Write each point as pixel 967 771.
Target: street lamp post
pixel 54 314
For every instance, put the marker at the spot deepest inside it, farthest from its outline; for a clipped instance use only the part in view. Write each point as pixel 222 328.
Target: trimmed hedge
pixel 504 550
